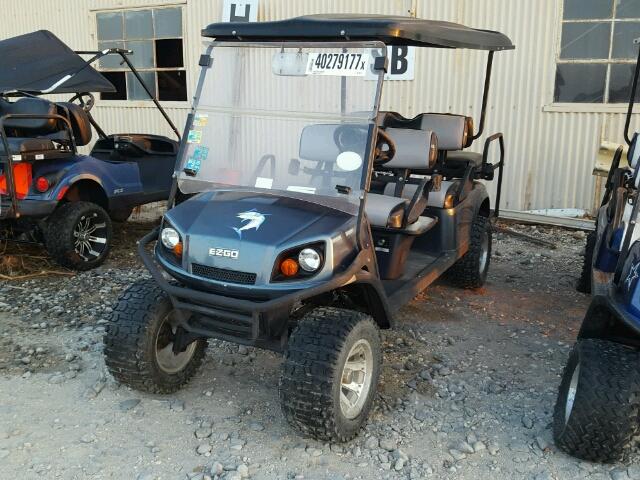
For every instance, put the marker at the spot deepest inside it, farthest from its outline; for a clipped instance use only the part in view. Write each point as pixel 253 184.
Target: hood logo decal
pixel 250 219
pixel 633 274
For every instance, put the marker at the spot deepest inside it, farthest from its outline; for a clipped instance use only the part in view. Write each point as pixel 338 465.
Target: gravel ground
pixel 467 392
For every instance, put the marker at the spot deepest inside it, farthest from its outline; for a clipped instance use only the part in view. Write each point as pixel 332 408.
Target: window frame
pixel 601 107
pixel 185 64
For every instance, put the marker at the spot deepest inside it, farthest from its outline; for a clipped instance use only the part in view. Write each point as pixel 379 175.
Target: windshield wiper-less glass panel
pixel 294 121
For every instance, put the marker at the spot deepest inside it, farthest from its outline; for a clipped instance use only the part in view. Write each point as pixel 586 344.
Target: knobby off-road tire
pixel 314 375
pixel 137 343
pixel 120 216
pixel 601 422
pixel 471 270
pixel 584 282
pixel 74 222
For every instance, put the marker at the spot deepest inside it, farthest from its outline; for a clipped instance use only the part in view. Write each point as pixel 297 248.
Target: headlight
pixel 170 238
pixel 309 260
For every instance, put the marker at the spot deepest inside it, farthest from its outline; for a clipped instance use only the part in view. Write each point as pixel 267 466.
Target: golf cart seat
pixel 33 138
pixel 24 127
pixel 414 151
pixel 454 132
pixel 27 146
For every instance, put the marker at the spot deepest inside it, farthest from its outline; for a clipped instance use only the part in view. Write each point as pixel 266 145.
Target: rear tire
pixel 78 235
pixel 138 341
pixel 120 216
pixel 597 412
pixel 331 356
pixel 584 282
pixel 472 269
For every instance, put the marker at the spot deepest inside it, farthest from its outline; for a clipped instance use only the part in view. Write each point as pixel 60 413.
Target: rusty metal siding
pixel 551 150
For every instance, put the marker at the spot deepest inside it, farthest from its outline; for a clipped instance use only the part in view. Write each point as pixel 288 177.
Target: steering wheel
pixel 383 155
pixel 86 100
pixel 350 137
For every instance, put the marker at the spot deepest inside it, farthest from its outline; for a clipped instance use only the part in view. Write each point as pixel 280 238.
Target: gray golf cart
pixel 303 216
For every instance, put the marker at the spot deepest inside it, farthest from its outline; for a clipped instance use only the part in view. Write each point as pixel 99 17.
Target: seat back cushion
pixel 317 143
pixel 34 106
pixel 79 122
pixel 453 131
pixel 415 149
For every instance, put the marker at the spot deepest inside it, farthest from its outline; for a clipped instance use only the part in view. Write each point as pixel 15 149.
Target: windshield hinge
pixel 205 61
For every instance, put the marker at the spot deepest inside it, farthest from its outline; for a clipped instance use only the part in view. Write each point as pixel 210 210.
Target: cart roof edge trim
pixel 39 62
pixel 392 30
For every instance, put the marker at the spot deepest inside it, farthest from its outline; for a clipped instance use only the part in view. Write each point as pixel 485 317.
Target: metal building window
pixel 156 39
pixel 597 54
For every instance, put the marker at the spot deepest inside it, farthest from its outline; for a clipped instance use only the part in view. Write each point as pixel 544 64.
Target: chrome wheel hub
pixel 571 394
pixel 168 361
pixel 355 381
pixel 90 237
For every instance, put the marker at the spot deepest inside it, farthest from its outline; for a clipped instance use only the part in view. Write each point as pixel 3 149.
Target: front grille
pixel 223 275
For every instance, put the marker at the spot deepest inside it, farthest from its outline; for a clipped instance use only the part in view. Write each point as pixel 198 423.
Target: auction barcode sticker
pixel 338 64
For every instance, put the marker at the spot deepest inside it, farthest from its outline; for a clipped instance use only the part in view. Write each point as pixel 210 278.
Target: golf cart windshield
pixel 294 120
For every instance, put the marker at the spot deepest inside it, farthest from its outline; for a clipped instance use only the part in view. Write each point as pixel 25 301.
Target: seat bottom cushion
pixel 27 145
pixel 462 159
pixel 385 211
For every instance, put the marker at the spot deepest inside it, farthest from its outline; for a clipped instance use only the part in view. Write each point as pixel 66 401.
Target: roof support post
pixel 485 95
pixel 632 98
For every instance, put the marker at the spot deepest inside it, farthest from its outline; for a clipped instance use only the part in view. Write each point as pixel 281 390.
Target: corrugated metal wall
pixel 550 154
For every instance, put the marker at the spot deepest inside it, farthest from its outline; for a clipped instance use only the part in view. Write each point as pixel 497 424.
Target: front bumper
pixel 260 323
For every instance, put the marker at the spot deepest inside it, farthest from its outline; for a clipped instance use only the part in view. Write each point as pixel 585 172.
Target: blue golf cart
pixel 49 192
pixel 597 413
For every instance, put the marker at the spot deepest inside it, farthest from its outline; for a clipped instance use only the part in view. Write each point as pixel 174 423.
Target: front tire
pixel 330 373
pixel 597 412
pixel 78 235
pixel 472 269
pixel 584 282
pixel 139 339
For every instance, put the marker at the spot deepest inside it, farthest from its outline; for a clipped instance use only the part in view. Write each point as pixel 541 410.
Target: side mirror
pixel 294 167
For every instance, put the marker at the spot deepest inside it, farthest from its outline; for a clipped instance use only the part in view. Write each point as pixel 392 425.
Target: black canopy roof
pixel 388 29
pixel 37 61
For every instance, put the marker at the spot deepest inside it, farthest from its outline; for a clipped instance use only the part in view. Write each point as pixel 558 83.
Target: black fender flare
pixel 607 321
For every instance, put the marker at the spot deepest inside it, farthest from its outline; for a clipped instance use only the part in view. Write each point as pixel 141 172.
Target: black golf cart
pixel 312 215
pixel 48 191
pixel 597 413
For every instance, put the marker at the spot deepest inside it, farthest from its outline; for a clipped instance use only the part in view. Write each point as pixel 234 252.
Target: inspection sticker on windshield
pixel 200 120
pixel 195 136
pixel 338 64
pixel 194 162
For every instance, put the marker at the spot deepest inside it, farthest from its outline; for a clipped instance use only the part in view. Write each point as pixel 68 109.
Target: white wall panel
pixel 550 154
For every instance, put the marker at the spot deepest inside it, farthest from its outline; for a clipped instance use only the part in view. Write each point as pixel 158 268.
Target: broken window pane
pixel 110 26
pixel 142 56
pixel 168 22
pixel 585 40
pixel 620 83
pixel 172 86
pixel 112 60
pixel 135 91
pixel 628 9
pixel 587 9
pixel 623 36
pixel 580 83
pixel 118 81
pixel 169 53
pixel 138 24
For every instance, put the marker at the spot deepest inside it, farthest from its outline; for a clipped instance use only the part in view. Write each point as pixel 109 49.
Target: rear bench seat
pixel 35 138
pixel 454 132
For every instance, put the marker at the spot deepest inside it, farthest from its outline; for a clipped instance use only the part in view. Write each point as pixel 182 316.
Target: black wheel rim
pixel 90 237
